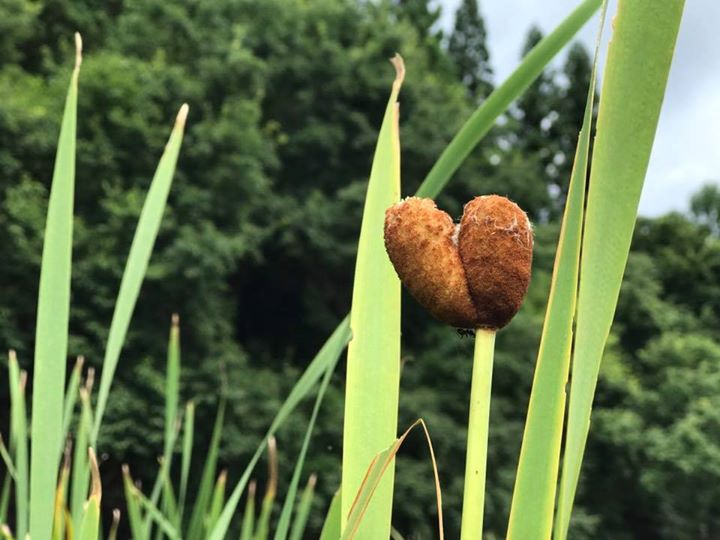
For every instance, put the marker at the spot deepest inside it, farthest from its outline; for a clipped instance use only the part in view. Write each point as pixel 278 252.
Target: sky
pixel 686 153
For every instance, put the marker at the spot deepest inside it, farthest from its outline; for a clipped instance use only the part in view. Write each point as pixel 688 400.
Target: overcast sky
pixel 687 146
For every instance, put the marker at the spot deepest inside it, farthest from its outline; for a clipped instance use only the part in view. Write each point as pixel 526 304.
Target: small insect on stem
pixel 465 332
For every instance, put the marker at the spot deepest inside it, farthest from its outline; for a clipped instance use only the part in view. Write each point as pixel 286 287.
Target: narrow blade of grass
pixel 172 384
pixel 188 432
pixel 112 535
pixel 218 500
pixel 90 525
pixel 60 495
pixel 51 330
pixel 303 509
pixel 19 443
pixel 81 466
pixel 132 502
pixel 195 529
pixel 533 502
pixel 248 522
pixel 325 359
pixel 262 531
pixel 498 102
pixel 137 263
pixel 379 466
pixel 634 83
pixel 373 364
pixel 71 397
pixel 284 520
pixel 331 527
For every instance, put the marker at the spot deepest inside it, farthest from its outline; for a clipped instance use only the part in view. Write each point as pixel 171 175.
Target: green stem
pixel 476 460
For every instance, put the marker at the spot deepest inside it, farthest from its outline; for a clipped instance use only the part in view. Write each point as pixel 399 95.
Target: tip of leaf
pixel 272 467
pixel 125 469
pixel 12 355
pixel 252 487
pixel 175 320
pixel 182 115
pixel 23 381
pixel 116 516
pixel 312 481
pixel 96 488
pixel 79 362
pixel 78 50
pixel 90 380
pixel 399 65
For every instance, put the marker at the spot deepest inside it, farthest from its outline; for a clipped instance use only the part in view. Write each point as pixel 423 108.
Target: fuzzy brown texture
pixel 472 275
pixel 419 241
pixel 495 244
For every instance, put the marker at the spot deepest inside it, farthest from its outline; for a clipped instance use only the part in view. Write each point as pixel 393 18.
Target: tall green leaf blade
pixel 478 125
pixel 283 525
pixel 533 502
pixel 137 263
pixel 188 433
pixel 634 83
pixel 172 385
pixel 51 331
pixel 373 365
pixel 196 527
pixel 19 443
pixel 81 465
pixel 71 396
pixel 303 509
pixel 331 527
pixel 325 359
pixel 248 521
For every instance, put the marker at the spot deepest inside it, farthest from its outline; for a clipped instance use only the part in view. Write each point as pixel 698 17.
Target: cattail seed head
pixel 471 275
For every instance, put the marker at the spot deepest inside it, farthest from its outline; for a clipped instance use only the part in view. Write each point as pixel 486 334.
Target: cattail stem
pixel 476 460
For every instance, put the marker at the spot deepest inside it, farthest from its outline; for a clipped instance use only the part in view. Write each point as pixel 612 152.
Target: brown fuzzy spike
pixel 495 245
pixel 471 275
pixel 419 239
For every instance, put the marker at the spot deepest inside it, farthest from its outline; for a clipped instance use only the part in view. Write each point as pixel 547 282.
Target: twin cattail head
pixel 470 275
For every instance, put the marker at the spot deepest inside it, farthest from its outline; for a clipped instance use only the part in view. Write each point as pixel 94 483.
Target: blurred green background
pixel 257 248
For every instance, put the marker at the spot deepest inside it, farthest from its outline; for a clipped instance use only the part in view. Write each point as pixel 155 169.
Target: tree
pixel 468 49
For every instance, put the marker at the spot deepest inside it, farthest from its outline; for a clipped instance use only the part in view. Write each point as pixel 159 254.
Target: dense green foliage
pixel 257 249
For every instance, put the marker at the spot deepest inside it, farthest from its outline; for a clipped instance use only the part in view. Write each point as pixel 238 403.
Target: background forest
pixel 257 248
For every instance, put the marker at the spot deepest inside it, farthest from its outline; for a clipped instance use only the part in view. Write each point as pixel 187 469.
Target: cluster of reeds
pixel 60 498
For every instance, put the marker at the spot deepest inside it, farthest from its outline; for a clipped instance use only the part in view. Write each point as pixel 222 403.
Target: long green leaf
pixel 262 529
pixel 172 385
pixel 81 465
pixel 634 83
pixel 303 509
pixel 51 330
pixel 325 359
pixel 380 465
pixel 283 525
pixel 19 443
pixel 196 527
pixel 533 502
pixel 90 524
pixel 137 263
pixel 373 365
pixel 331 527
pixel 71 397
pixel 248 522
pixel 218 499
pixel 188 432
pixel 132 502
pixel 498 102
